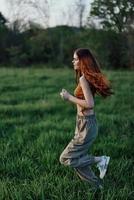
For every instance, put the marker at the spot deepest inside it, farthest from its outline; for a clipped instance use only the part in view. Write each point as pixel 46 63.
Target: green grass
pixel 36 125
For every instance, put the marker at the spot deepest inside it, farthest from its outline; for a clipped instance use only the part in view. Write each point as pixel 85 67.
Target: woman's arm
pixel 78 101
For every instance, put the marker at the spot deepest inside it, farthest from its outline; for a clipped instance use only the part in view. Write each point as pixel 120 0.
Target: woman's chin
pixel 75 68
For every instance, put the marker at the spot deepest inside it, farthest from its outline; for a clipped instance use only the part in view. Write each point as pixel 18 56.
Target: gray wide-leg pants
pixel 76 152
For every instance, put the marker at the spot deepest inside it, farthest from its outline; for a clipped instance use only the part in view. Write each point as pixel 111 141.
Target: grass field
pixel 36 125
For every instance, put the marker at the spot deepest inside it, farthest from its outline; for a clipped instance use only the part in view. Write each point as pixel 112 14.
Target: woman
pixel 90 81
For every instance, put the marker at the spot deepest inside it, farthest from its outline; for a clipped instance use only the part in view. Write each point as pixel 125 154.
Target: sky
pixel 61 12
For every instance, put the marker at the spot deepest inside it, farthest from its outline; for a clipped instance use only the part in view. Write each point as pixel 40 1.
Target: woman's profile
pixel 90 81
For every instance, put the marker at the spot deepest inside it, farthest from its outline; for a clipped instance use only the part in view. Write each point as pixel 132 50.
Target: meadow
pixel 36 125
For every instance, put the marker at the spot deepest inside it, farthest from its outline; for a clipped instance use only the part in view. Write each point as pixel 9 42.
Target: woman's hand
pixel 64 94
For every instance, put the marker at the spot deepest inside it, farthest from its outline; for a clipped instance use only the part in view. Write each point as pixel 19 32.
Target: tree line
pixel 113 43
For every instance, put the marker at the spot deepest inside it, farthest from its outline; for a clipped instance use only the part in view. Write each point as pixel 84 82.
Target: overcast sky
pixel 61 12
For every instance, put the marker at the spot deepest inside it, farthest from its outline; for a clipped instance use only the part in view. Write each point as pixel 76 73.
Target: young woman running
pixel 90 81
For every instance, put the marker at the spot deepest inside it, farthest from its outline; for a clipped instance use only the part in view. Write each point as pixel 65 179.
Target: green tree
pixel 2 19
pixel 3 38
pixel 114 14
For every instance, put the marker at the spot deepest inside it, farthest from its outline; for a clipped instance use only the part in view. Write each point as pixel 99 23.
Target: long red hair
pixel 90 67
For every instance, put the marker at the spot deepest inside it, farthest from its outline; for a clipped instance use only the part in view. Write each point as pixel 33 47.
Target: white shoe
pixel 102 165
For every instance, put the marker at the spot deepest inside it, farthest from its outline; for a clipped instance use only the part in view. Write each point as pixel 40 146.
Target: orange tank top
pixel 78 92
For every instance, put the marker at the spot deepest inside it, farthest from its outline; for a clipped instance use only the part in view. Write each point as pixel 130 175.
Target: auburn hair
pixel 90 67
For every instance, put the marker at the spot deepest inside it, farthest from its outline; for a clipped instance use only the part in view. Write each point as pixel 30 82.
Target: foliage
pixel 114 14
pixel 55 46
pixel 3 38
pixel 3 20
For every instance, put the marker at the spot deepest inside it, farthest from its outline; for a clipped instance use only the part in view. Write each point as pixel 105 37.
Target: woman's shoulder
pixel 82 79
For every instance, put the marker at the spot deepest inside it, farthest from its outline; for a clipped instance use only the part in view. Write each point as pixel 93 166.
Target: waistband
pixel 85 116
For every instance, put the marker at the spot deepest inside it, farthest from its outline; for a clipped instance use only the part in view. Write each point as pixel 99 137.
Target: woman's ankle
pixel 97 159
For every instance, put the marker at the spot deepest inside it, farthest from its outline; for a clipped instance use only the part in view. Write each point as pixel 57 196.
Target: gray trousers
pixel 76 153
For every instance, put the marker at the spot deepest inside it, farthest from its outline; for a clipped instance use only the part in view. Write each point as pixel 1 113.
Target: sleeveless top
pixel 79 94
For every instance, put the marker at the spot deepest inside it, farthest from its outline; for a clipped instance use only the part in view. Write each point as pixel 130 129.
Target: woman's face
pixel 76 62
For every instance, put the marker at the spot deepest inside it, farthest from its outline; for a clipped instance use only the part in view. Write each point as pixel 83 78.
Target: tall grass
pixel 36 125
